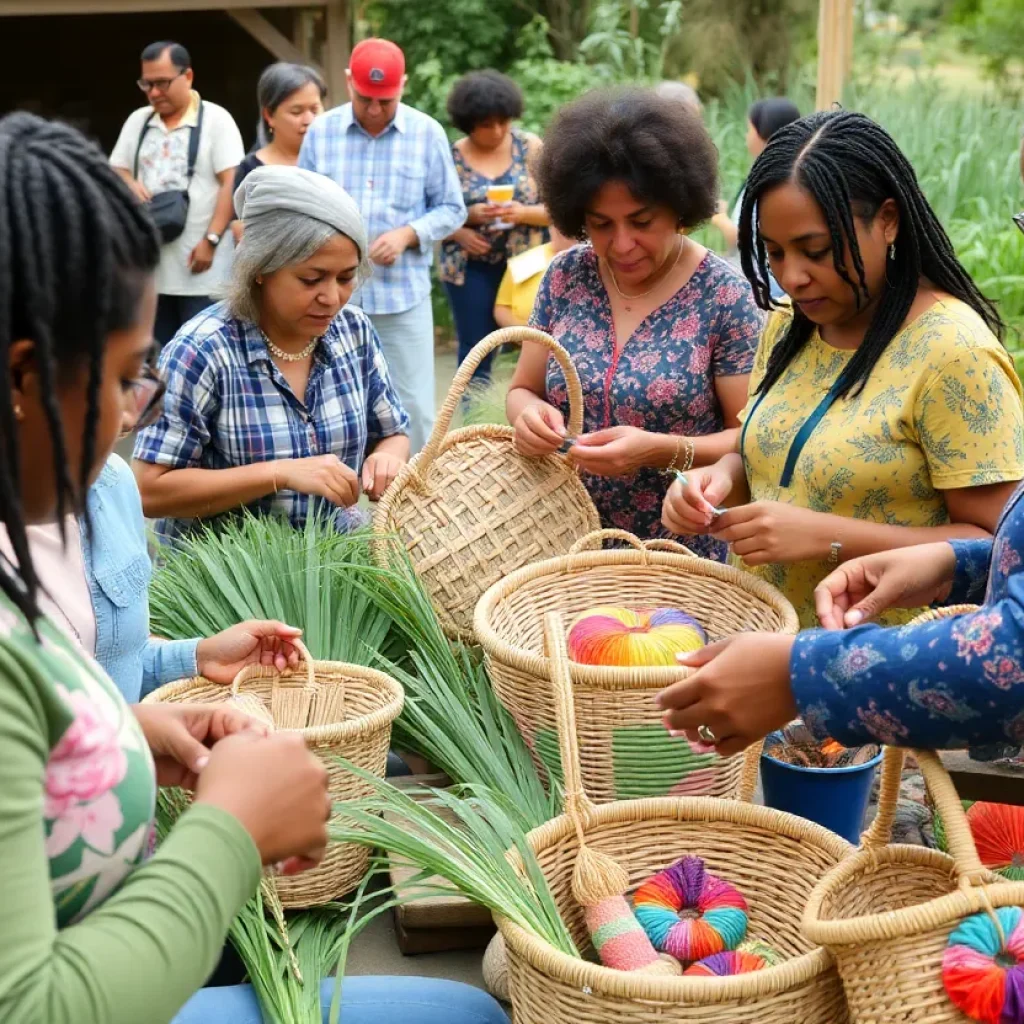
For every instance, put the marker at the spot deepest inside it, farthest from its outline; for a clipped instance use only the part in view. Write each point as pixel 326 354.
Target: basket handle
pixel 479 352
pixel 599 536
pixel 879 832
pixel 266 671
pixel 577 805
pixel 664 544
pixel 748 776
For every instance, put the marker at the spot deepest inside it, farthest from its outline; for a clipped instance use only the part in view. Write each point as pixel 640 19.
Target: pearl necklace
pixel 658 283
pixel 288 357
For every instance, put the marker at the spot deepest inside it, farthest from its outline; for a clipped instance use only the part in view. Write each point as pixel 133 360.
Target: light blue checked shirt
pixel 403 177
pixel 228 405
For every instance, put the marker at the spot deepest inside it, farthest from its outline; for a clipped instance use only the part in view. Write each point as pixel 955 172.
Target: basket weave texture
pixel 772 857
pixel 626 752
pixel 341 710
pixel 470 509
pixel 887 912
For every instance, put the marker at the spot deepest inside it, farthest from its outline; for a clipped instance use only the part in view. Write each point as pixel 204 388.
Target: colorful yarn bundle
pixel 623 637
pixel 723 965
pixel 982 973
pixel 690 913
pixel 998 833
pixel 769 954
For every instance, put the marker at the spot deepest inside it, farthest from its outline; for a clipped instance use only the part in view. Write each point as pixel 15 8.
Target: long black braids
pixel 851 166
pixel 76 251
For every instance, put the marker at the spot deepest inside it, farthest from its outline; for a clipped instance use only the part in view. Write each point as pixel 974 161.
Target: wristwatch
pixel 214 239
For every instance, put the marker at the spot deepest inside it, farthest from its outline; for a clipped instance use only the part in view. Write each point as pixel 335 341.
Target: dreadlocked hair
pixel 76 252
pixel 851 166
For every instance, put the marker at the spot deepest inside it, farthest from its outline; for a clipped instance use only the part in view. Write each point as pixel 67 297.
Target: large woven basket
pixel 625 750
pixel 342 711
pixel 773 858
pixel 470 509
pixel 887 912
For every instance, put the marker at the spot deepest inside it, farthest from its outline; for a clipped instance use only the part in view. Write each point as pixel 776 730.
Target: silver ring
pixel 706 735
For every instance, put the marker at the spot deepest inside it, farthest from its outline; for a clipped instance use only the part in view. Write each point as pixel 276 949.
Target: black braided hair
pixel 76 252
pixel 851 166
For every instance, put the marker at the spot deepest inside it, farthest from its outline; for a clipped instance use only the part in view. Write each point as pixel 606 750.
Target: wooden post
pixel 848 29
pixel 835 50
pixel 336 51
pixel 302 32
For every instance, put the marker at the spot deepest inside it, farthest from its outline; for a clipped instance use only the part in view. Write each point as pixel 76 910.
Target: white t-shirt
pixel 163 166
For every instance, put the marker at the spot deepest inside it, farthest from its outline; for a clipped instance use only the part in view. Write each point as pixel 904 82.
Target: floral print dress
pixel 661 380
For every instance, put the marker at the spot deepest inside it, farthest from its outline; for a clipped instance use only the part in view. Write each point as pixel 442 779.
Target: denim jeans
pixel 365 1000
pixel 174 311
pixel 473 309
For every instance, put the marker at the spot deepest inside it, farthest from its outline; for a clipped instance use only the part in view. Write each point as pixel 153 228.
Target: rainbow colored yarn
pixel 983 976
pixel 624 637
pixel 722 965
pixel 721 911
pixel 618 939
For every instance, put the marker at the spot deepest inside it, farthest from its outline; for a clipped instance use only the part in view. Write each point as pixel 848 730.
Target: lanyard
pixel 802 435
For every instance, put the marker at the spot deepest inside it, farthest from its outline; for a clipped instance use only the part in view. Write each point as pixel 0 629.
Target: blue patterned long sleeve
pixel 948 684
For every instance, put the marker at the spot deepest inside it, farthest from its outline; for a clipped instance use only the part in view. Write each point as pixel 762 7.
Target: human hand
pixel 482 213
pixel 616 451
pixel 689 508
pixel 772 531
pixel 864 587
pixel 141 192
pixel 221 657
pixel 379 469
pixel 325 475
pixel 512 212
pixel 540 430
pixel 180 736
pixel 278 791
pixel 740 691
pixel 472 241
pixel 200 259
pixel 389 246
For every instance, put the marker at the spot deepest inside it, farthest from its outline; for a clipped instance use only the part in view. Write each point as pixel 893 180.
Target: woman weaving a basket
pixel 279 397
pixel 661 331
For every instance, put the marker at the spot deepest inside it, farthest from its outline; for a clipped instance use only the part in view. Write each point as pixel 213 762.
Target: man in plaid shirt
pixel 397 164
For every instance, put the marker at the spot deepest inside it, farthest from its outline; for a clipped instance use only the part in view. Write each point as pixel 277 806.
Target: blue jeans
pixel 473 309
pixel 174 311
pixel 365 1000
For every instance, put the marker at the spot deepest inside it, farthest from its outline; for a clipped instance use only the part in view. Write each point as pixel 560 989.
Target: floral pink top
pixel 662 380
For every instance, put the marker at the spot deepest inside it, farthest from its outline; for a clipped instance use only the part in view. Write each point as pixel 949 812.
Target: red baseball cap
pixel 377 67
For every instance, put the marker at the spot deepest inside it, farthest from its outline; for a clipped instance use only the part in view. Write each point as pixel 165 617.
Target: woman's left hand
pixel 616 451
pixel 740 691
pixel 220 658
pixel 180 736
pixel 379 469
pixel 772 531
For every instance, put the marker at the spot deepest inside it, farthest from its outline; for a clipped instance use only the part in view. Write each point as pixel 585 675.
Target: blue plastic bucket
pixel 834 797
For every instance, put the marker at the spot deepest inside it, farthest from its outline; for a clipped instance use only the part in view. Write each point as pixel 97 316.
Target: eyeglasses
pixel 147 399
pixel 147 85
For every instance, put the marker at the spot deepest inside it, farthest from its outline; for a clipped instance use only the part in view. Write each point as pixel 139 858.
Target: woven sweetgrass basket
pixel 773 858
pixel 625 751
pixel 469 509
pixel 887 912
pixel 342 711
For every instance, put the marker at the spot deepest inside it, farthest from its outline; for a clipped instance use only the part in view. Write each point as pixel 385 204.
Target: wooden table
pixel 979 780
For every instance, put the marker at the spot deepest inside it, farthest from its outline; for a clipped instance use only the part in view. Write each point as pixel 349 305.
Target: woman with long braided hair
pixel 883 410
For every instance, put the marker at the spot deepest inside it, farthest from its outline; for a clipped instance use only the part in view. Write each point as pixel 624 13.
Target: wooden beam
pixel 832 51
pixel 336 50
pixel 303 26
pixel 268 36
pixel 23 7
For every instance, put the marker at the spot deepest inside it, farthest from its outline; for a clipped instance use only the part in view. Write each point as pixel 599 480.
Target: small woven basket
pixel 470 509
pixel 342 711
pixel 773 858
pixel 625 750
pixel 887 912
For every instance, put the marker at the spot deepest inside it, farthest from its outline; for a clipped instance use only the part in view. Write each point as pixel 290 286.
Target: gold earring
pixel 17 412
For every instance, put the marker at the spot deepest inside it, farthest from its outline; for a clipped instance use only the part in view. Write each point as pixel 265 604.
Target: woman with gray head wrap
pixel 279 398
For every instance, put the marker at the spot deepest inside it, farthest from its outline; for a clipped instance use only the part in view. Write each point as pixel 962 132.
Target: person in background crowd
pixel 883 411
pixel 291 97
pixel 280 397
pixel 521 280
pixel 764 119
pixel 662 331
pixel 152 154
pixel 492 152
pixel 396 163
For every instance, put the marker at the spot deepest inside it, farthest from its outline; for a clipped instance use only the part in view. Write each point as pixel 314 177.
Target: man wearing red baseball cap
pixel 397 164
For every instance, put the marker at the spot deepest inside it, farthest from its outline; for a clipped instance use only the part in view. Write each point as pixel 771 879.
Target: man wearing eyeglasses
pixel 152 155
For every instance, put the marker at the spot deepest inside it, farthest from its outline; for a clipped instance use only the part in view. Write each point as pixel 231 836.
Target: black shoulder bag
pixel 169 210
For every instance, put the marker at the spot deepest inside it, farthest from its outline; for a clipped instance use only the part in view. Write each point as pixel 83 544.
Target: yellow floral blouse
pixel 941 410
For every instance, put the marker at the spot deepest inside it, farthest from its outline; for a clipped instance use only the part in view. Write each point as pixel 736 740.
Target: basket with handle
pixel 469 508
pixel 773 858
pixel 887 912
pixel 341 710
pixel 625 750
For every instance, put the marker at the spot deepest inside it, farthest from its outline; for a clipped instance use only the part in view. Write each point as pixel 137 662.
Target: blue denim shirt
pixel 118 570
